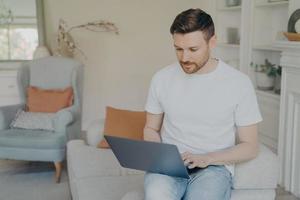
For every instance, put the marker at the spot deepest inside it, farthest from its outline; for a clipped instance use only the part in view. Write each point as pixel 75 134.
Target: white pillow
pixel 33 120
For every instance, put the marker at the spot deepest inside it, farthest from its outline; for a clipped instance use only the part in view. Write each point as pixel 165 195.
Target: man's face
pixel 192 50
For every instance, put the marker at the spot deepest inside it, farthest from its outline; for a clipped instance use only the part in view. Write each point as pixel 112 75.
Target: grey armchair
pixel 39 145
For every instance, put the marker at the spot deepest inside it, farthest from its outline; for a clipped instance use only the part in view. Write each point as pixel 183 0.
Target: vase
pixel 40 52
pixel 264 82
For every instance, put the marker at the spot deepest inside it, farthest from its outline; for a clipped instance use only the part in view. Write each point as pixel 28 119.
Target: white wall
pixel 119 68
pixel 21 8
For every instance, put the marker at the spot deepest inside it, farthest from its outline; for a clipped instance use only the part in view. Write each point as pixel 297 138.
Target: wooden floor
pixel 283 195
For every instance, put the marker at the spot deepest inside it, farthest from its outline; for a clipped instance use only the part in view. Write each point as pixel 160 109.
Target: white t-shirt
pixel 202 111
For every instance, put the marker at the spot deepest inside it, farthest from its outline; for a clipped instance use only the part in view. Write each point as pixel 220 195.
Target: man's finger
pixel 187 162
pixel 185 155
pixel 191 166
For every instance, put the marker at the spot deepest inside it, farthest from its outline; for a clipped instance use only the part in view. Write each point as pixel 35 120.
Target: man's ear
pixel 212 43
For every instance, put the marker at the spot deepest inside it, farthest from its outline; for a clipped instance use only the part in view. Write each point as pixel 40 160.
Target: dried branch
pixel 97 26
pixel 66 44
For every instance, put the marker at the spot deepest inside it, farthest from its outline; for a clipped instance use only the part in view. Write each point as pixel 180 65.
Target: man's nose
pixel 185 57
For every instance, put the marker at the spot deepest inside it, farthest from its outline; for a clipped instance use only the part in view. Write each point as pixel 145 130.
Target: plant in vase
pixel 265 75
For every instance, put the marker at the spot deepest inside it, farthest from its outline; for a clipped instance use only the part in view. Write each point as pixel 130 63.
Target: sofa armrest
pixel 7 114
pixel 95 132
pixel 259 173
pixel 63 118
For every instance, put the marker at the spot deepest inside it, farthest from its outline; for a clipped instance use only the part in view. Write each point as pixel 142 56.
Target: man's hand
pixel 246 149
pixel 196 160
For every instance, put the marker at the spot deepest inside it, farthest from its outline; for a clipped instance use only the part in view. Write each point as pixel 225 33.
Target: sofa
pixel 95 174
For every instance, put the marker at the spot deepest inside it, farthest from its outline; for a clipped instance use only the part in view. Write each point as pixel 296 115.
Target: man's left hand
pixel 196 160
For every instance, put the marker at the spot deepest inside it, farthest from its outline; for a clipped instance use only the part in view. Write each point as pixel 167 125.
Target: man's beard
pixel 197 66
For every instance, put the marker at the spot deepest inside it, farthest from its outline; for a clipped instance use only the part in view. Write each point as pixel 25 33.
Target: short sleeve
pixel 247 110
pixel 153 104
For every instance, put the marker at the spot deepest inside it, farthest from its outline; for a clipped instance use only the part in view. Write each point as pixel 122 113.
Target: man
pixel 200 104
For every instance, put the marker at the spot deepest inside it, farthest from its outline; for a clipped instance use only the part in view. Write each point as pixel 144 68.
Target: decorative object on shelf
pixel 292 36
pixel 40 52
pixel 230 3
pixel 66 46
pixel 6 15
pixel 277 86
pixel 294 22
pixel 233 35
pixel 265 75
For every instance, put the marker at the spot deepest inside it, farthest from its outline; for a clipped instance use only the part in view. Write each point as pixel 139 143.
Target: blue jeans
pixel 210 183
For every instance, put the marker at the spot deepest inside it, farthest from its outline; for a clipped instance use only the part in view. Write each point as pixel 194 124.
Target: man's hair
pixel 193 20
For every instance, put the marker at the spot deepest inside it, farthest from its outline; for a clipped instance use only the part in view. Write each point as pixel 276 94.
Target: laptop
pixel 148 156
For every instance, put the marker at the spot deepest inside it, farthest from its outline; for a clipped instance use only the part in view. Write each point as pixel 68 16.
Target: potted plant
pixel 265 75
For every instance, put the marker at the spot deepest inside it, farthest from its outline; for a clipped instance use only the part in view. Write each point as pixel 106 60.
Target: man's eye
pixel 178 49
pixel 193 50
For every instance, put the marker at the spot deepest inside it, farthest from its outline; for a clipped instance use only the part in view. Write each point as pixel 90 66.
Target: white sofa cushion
pixel 235 195
pixel 94 133
pixel 259 194
pixel 86 161
pixel 107 187
pixel 259 173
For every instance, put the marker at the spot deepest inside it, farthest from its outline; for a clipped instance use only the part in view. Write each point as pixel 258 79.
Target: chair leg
pixel 58 167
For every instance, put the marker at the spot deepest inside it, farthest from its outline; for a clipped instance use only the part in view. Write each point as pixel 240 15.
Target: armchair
pixel 41 145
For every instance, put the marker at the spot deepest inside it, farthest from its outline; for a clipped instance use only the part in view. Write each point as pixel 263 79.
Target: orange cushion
pixel 50 101
pixel 123 123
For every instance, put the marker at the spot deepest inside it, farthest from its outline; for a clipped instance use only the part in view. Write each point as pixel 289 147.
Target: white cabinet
pixel 289 126
pixel 9 93
pixel 269 19
pixel 247 33
pixel 227 20
pixel 259 23
pixel 269 104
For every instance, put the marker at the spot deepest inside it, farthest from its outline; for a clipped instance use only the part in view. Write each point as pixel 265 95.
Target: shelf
pixel 223 44
pixel 268 93
pixel 271 4
pixel 8 72
pixel 233 8
pixel 266 48
pixel 284 44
